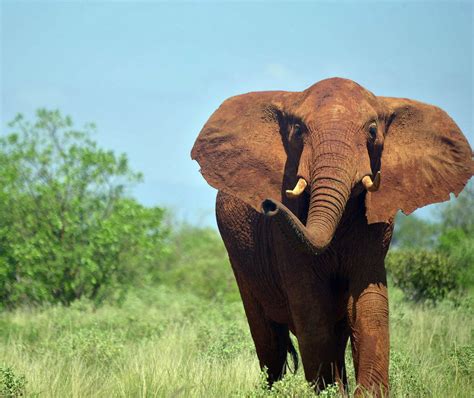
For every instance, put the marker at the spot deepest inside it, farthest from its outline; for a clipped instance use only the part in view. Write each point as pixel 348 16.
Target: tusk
pixel 297 190
pixel 372 186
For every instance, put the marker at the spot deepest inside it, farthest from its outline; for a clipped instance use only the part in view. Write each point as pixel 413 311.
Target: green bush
pixel 11 385
pixel 197 261
pixel 91 344
pixel 423 275
pixel 292 386
pixel 405 377
pixel 67 228
pixel 458 246
pixel 463 361
pixel 224 340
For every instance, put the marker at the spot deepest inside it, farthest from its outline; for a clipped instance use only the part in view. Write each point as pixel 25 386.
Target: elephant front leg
pixel 322 355
pixel 368 319
pixel 271 339
pixel 322 340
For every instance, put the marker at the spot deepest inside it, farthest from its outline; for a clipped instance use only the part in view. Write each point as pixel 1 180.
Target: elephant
pixel 308 187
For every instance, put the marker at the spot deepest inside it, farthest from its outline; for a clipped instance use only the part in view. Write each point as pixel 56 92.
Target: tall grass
pixel 166 343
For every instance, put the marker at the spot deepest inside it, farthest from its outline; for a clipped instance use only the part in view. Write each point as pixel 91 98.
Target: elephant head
pixel 332 141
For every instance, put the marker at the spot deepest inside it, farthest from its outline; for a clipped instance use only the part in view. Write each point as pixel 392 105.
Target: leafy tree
pixel 457 237
pixel 459 213
pixel 67 227
pixel 422 275
pixel 411 231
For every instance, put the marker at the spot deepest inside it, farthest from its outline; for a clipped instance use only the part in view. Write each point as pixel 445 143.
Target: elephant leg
pixel 321 339
pixel 368 318
pixel 325 362
pixel 342 335
pixel 271 339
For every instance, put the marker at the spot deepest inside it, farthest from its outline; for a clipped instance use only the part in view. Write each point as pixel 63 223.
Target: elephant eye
pixel 373 130
pixel 297 130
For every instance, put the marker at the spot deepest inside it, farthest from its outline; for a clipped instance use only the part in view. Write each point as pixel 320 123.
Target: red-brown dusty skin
pixel 314 264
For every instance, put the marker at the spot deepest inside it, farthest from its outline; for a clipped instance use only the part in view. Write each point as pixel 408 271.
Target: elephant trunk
pixel 329 195
pixel 327 203
pixel 332 179
pixel 296 234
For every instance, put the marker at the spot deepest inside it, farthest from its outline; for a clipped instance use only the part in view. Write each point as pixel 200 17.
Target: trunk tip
pixel 269 207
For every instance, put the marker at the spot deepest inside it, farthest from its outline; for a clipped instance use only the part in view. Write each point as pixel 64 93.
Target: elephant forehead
pixel 336 96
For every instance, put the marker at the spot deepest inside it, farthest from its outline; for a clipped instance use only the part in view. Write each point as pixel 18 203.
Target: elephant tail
pixel 294 356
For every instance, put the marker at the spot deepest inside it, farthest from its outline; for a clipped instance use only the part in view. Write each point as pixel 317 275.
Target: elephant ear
pixel 425 158
pixel 240 148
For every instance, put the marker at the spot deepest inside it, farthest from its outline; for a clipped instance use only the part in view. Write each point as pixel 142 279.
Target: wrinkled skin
pixel 314 264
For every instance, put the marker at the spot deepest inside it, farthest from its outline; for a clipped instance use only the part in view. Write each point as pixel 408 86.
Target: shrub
pixel 92 345
pixel 462 359
pixel 405 377
pixel 198 262
pixel 225 341
pixel 423 275
pixel 458 246
pixel 292 386
pixel 11 385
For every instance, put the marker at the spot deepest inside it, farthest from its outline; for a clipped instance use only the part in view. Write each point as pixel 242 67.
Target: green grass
pixel 163 342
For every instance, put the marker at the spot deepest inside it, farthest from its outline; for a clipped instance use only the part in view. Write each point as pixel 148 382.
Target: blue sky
pixel 149 74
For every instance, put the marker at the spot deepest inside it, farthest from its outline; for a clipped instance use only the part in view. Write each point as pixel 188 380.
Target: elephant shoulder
pixel 237 222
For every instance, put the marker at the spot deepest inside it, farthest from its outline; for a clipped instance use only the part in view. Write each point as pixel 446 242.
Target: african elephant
pixel 308 186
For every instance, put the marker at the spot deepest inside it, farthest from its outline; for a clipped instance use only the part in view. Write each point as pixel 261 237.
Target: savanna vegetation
pixel 101 296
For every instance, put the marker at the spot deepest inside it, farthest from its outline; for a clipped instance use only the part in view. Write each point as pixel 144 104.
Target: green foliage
pixel 67 228
pixel 90 344
pixel 11 385
pixel 422 275
pixel 457 237
pixel 445 264
pixel 405 377
pixel 459 213
pixel 412 232
pixel 463 361
pixel 458 246
pixel 289 386
pixel 197 261
pixel 293 386
pixel 228 342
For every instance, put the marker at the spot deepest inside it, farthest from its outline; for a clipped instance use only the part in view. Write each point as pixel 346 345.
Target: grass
pixel 163 342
